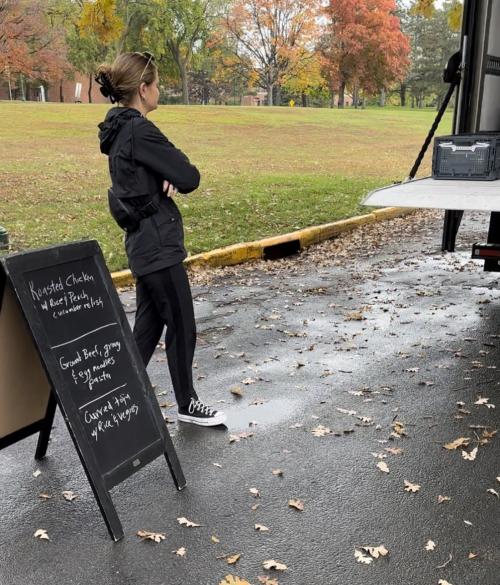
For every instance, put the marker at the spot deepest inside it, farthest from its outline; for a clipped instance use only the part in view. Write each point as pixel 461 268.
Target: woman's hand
pixel 169 189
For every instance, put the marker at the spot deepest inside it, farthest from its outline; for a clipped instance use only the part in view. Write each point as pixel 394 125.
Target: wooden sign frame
pixel 13 271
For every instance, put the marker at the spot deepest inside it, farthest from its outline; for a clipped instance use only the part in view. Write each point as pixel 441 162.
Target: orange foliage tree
pixel 29 45
pixel 274 35
pixel 363 45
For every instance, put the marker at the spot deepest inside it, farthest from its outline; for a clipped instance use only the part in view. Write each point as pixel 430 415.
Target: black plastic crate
pixel 474 157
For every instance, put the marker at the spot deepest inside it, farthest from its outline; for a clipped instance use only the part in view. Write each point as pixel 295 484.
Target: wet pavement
pixel 384 347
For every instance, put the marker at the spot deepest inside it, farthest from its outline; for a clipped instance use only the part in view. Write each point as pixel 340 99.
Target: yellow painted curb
pixel 247 251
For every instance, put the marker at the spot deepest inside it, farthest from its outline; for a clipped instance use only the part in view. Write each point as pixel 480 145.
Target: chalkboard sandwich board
pixel 65 340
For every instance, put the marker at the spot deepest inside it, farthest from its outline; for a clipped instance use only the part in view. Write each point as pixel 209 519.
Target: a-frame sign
pixel 65 340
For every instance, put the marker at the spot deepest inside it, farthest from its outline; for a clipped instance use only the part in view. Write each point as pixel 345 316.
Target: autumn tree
pixel 275 36
pixel 29 47
pixel 453 10
pixel 218 74
pixel 307 81
pixel 363 45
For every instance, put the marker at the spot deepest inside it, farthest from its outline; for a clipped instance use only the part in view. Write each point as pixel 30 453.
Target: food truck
pixel 466 165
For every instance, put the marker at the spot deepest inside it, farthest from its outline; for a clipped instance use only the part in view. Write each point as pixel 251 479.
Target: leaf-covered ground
pixel 265 171
pixel 361 385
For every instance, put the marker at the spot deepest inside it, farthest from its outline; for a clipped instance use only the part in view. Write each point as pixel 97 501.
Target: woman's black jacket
pixel 140 159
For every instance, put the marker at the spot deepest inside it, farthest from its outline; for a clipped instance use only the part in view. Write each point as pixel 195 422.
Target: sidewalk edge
pixel 248 251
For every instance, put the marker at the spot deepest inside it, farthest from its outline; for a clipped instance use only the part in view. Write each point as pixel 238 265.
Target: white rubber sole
pixel 220 419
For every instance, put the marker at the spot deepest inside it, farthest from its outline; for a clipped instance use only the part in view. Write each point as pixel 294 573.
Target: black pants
pixel 164 299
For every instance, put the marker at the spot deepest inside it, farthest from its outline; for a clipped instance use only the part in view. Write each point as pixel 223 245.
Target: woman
pixel 146 172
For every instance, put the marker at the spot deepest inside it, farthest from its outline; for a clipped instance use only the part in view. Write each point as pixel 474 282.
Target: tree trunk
pixel 185 82
pixel 21 85
pixel 90 88
pixel 341 95
pixel 402 94
pixel 382 97
pixel 332 98
pixel 304 99
pixel 270 91
pixel 355 96
pixel 61 94
pixel 277 95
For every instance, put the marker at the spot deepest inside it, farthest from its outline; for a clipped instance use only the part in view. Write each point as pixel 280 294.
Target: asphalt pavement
pixel 344 372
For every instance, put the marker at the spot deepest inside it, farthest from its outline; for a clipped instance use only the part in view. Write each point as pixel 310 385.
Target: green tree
pixel 178 29
pixel 432 43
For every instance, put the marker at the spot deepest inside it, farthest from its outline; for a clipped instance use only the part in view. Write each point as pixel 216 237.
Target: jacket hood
pixel 109 129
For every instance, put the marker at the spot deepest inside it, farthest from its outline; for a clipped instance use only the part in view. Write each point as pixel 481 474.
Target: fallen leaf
pixel 267 580
pixel 277 472
pixel 481 401
pixel 154 536
pixel 382 465
pixel 69 496
pixel 411 487
pixel 442 499
pixel 237 392
pixel 45 496
pixel 398 429
pixel 321 431
pixel 231 580
pixel 494 492
pixel 41 534
pixel 248 381
pixel 376 551
pixel 472 556
pixel 255 492
pixel 297 504
pixel 214 539
pixel 443 582
pixel 185 522
pixel 276 565
pixel 470 456
pixel 232 559
pixel 393 450
pixel 261 528
pixel 457 443
pixel 37 473
pixel 431 545
pixel 345 411
pixel 355 316
pixel 217 465
pixel 468 522
pixel 361 557
pixel 180 552
pixel 239 436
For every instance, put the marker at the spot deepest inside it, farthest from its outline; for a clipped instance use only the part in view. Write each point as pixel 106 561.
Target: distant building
pixel 68 90
pixel 260 99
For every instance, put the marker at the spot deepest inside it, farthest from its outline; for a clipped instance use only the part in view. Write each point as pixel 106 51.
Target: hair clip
pixel 107 89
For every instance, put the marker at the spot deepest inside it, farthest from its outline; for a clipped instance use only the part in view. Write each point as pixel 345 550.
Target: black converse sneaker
pixel 201 414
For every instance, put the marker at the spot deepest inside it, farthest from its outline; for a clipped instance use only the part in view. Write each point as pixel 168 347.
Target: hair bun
pixel 107 88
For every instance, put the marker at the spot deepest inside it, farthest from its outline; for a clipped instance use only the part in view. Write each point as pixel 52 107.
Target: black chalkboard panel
pixel 86 346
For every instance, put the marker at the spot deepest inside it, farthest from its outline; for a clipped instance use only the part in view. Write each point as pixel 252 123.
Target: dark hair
pixel 121 80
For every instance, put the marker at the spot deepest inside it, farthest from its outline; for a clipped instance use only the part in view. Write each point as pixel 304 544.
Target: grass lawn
pixel 264 171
